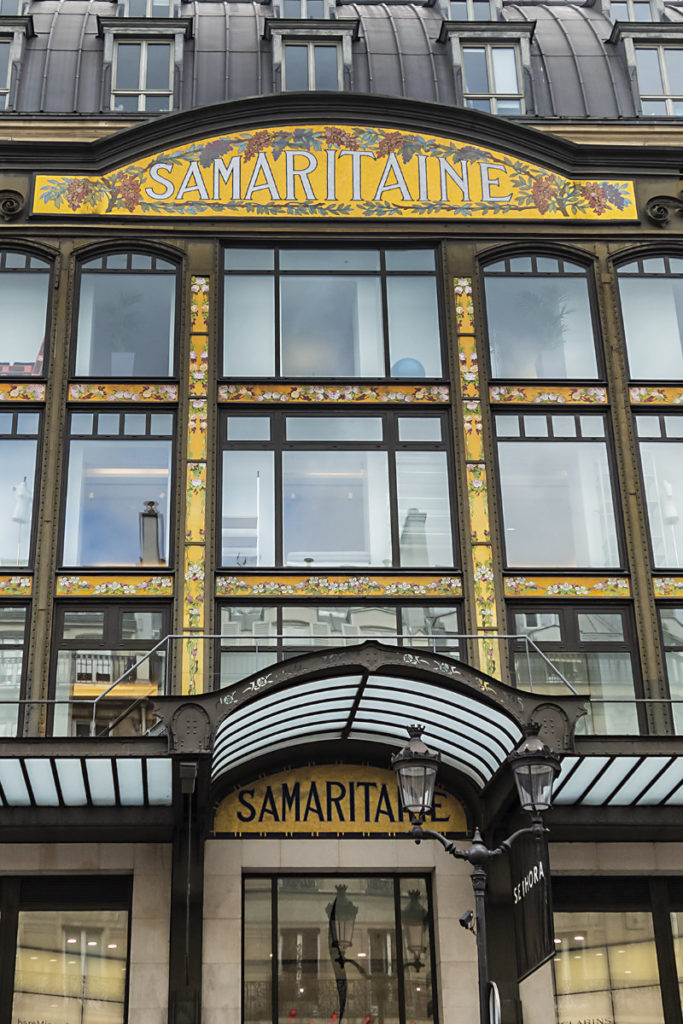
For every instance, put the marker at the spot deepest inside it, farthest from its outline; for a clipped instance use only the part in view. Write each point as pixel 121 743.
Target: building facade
pixel 341 367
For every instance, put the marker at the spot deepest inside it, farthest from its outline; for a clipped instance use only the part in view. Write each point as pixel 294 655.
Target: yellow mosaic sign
pixel 330 799
pixel 334 171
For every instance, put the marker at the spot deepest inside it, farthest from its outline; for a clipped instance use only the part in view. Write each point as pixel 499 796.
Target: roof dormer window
pixel 633 10
pixel 305 9
pixel 471 10
pixel 11 8
pixel 147 8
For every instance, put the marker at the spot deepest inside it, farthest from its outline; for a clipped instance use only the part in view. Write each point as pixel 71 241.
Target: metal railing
pixel 444 644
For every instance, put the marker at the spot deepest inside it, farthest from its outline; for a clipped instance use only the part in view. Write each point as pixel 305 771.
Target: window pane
pixel 508 107
pixel 141 625
pixel 674 671
pixel 71 965
pixel 249 326
pixel 419 428
pixel 541 627
pixel 330 428
pixel 18 461
pixel 237 665
pixel 247 524
pixel 458 10
pixel 248 626
pixel 291 8
pixel 433 627
pixel 249 259
pixel 654 108
pixel 424 519
pixel 481 10
pixel 677 929
pixel 296 68
pixel 128 65
pixel 673 58
pixel 258 939
pixel 23 308
pixel 110 486
pixel 600 627
pixel 664 495
pixel 331 327
pixel 484 105
pixel 248 428
pixel 607 675
pixel 476 75
pixel 540 327
pixel 158 65
pixel 126 325
pixel 610 971
pixel 558 507
pixel 504 69
pixel 326 67
pixel 649 73
pixel 413 317
pixel 653 306
pixel 4 64
pixel 417 981
pixel 329 259
pixel 335 508
pixel 12 630
pixel 80 625
pixel 157 104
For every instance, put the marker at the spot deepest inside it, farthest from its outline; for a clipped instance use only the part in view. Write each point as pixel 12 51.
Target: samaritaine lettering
pixel 218 182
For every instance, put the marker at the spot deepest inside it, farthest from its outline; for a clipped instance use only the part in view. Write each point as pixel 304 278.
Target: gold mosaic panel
pixel 20 392
pixel 123 392
pixel 656 396
pixel 567 586
pixel 479 514
pixel 96 585
pixel 668 586
pixel 512 394
pixel 354 393
pixel 16 586
pixel 199 305
pixel 339 586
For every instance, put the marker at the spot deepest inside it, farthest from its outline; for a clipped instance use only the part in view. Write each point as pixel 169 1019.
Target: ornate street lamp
pixel 416 767
pixel 534 767
pixel 414 921
pixel 342 917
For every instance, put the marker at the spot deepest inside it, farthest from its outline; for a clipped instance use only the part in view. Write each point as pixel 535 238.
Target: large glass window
pixel 96 646
pixel 126 317
pixel 143 76
pixel 660 80
pixel 492 80
pixel 331 313
pixel 310 65
pixel 254 636
pixel 591 647
pixel 606 967
pixel 671 619
pixel 651 291
pixel 118 489
pixel 540 322
pixel 321 490
pixel 18 449
pixel 13 622
pixel 24 293
pixel 326 949
pixel 65 949
pixel 660 439
pixel 556 490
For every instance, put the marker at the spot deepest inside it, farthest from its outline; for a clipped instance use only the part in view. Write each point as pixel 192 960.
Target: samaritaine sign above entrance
pixel 334 799
pixel 334 171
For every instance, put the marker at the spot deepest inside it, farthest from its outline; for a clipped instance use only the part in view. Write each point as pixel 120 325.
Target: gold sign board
pixel 335 171
pixel 333 799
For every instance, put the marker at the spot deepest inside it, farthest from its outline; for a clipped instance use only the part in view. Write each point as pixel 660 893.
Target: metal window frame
pixel 329 8
pixel 310 60
pixel 142 93
pixel 402 975
pixel 389 444
pixel 492 95
pixel 492 6
pixel 382 273
pixel 661 440
pixel 124 6
pixel 342 32
pixel 656 10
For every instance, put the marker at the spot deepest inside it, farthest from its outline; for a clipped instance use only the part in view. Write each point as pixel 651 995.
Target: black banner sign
pixel 531 904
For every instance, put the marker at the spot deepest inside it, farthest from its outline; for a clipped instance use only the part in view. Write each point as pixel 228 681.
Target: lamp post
pixel 534 768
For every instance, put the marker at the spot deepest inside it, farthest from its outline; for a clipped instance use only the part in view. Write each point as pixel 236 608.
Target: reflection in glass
pixel 110 485
pixel 126 325
pixel 23 313
pixel 71 966
pixel 661 462
pixel 335 508
pixel 653 305
pixel 672 635
pixel 540 327
pixel 677 929
pixel 18 461
pixel 12 630
pixel 331 327
pixel 558 507
pixel 413 314
pixel 249 633
pixel 424 520
pixel 257 968
pixel 249 326
pixel 606 967
pixel 247 523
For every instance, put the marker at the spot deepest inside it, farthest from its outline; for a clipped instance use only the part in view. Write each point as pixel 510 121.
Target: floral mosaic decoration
pixel 370 394
pixel 16 586
pixel 21 392
pixel 114 586
pixel 532 395
pixel 123 393
pixel 574 586
pixel 339 586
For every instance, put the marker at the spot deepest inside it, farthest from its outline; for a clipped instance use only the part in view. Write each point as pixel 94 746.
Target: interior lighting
pixel 579 938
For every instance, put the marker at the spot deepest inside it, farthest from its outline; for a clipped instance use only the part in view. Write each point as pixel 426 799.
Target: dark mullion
pixel 432 950
pixel 666 956
pixel 274 942
pixel 275 277
pixel 385 314
pixel 393 510
pixel 9 919
pixel 277 428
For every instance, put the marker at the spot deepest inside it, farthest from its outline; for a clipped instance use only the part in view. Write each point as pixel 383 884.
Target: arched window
pixel 24 293
pixel 126 317
pixel 540 321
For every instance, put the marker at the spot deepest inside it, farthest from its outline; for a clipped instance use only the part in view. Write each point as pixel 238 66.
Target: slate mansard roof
pixel 575 72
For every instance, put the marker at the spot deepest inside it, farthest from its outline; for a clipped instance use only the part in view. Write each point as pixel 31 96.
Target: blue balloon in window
pixel 408 368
